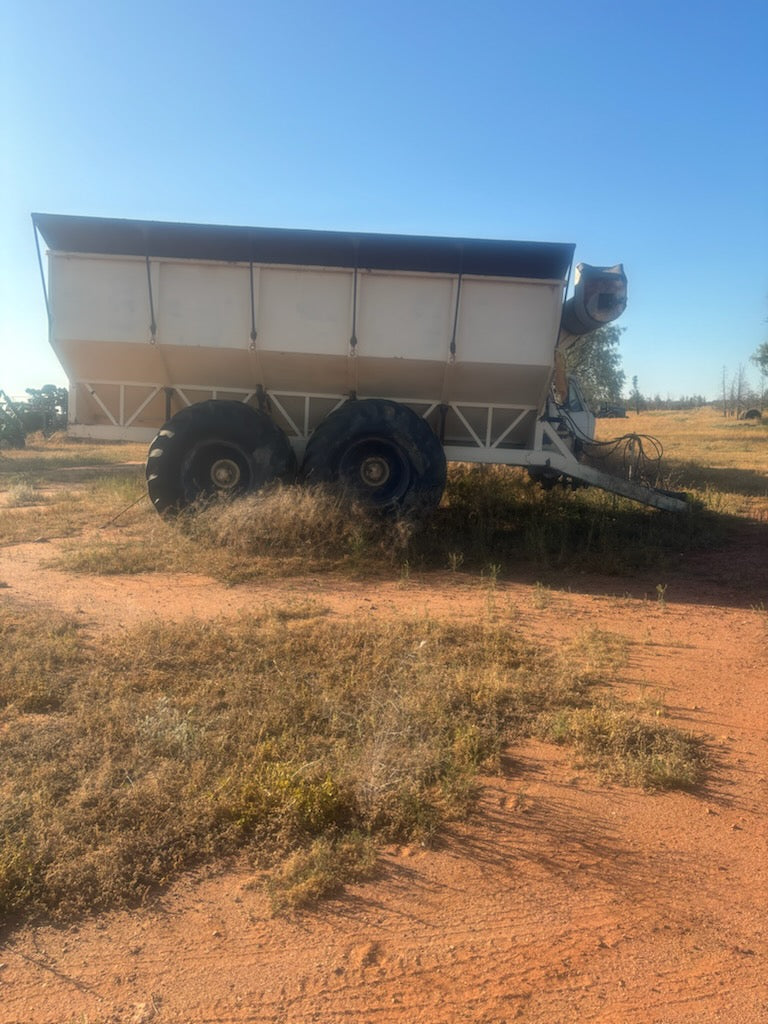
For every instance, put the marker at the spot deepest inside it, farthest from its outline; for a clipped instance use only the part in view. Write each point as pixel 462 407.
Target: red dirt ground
pixel 561 900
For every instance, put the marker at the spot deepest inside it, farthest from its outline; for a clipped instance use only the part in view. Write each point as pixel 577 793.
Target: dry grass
pixel 489 516
pixel 66 509
pixel 283 530
pixel 492 518
pixel 69 486
pixel 22 494
pixel 60 452
pixel 306 528
pixel 625 747
pixel 720 459
pixel 303 741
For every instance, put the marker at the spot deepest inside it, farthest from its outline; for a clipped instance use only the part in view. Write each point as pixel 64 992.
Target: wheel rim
pixel 225 474
pixel 216 467
pixel 376 470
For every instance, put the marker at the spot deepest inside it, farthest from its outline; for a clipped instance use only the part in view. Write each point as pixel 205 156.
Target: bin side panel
pixel 404 317
pixel 304 311
pixel 203 305
pixel 508 322
pixel 98 299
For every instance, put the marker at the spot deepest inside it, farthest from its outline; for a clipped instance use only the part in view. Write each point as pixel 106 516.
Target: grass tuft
pixel 127 557
pixel 321 870
pixel 308 525
pixel 21 494
pixel 622 747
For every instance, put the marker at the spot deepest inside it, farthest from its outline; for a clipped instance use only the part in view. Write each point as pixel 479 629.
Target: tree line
pixel 595 361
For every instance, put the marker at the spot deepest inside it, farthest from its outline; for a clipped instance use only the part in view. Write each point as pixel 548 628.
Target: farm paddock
pixel 560 898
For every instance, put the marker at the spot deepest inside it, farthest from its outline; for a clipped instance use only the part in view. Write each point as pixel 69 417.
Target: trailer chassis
pixel 298 412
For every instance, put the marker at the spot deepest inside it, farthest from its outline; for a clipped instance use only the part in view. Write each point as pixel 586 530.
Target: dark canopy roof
pixel 101 235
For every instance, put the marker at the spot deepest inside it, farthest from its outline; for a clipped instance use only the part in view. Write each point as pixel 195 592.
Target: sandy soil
pixel 562 900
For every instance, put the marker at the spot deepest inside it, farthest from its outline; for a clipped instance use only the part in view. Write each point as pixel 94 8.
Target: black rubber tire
pixel 382 454
pixel 13 441
pixel 215 447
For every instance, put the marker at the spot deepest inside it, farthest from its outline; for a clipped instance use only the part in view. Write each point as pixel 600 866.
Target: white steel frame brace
pixel 550 452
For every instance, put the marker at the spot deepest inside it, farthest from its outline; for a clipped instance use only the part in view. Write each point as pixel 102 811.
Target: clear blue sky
pixel 637 130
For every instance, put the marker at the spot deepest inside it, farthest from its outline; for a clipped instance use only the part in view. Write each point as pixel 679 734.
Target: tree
pixel 595 361
pixel 725 393
pixel 12 432
pixel 45 409
pixel 635 396
pixel 760 359
pixel 738 391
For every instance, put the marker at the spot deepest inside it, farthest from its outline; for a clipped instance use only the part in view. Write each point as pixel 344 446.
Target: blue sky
pixel 637 130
